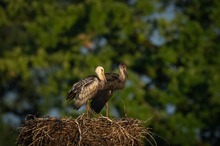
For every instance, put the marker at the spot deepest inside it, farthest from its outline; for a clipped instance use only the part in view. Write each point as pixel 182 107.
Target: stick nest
pixel 83 131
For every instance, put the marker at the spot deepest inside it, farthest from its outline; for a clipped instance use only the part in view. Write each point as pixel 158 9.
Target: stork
pixel 114 82
pixel 86 89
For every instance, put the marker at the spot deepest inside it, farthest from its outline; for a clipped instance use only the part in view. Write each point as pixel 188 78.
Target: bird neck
pixel 122 75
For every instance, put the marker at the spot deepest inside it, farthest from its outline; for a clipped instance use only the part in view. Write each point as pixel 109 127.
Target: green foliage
pixel 46 46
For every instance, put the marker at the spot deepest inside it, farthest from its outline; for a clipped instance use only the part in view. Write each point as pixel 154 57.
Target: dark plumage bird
pixel 114 82
pixel 85 89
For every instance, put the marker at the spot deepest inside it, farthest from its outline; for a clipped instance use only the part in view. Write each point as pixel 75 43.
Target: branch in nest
pixel 84 131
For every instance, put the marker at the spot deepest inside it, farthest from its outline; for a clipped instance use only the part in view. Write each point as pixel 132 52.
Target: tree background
pixel 171 49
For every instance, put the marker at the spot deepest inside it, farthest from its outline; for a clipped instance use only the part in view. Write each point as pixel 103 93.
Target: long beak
pixel 103 75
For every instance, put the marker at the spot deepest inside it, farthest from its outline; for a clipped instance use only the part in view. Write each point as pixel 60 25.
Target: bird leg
pixel 87 108
pixel 106 106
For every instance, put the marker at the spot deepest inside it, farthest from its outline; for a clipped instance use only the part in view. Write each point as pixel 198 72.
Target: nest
pixel 83 131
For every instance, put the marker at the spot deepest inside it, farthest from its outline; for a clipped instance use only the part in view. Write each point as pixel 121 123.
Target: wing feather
pixel 83 90
pixel 99 101
pixel 102 96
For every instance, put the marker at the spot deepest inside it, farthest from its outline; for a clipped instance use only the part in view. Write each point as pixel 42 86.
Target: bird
pixel 85 89
pixel 114 82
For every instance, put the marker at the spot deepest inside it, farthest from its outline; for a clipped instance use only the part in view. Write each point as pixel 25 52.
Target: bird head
pixel 100 73
pixel 123 69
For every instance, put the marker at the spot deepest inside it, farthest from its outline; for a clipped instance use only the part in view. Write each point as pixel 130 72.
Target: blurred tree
pixel 171 50
pixel 188 79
